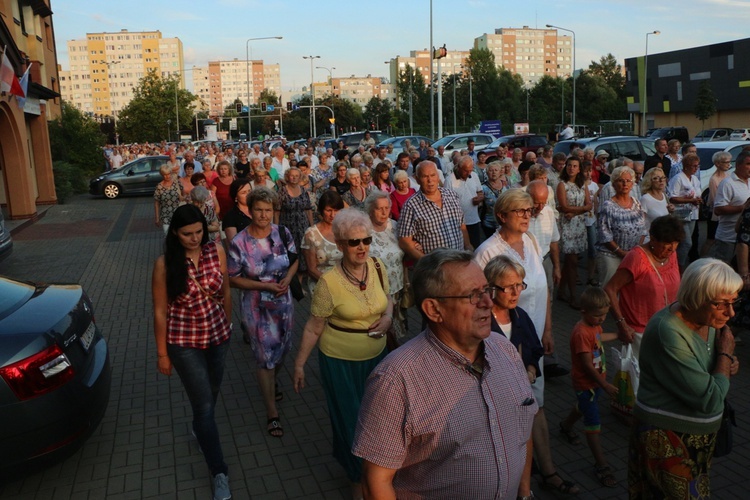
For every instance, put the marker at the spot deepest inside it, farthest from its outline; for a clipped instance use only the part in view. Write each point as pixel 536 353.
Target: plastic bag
pixel 627 375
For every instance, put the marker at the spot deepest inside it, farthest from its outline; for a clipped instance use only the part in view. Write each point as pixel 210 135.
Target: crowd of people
pixel 482 250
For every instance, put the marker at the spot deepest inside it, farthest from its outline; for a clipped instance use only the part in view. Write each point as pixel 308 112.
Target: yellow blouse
pixel 343 303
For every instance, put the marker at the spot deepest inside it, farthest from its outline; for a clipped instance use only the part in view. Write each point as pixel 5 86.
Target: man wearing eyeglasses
pixel 450 413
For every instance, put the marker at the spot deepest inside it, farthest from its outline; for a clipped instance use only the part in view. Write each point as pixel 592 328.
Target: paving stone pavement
pixel 143 447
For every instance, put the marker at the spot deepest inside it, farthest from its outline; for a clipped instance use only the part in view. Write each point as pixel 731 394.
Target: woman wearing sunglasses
pixel 351 312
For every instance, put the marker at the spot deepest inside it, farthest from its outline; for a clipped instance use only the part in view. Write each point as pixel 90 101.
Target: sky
pixel 357 38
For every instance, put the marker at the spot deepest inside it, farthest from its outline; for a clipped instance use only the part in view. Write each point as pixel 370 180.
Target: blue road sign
pixel 269 108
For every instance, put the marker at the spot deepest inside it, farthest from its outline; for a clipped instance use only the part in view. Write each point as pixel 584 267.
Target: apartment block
pixel 105 67
pixel 420 61
pixel 223 82
pixel 529 52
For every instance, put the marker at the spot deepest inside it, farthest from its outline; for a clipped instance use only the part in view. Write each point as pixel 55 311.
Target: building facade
pixel 419 60
pixel 104 68
pixel 530 52
pixel 223 82
pixel 672 81
pixel 26 177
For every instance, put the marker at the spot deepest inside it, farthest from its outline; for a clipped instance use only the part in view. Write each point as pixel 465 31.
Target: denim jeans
pixel 201 371
pixel 683 249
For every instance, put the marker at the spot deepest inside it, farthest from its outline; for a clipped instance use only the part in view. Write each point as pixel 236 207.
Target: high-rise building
pixel 357 89
pixel 105 67
pixel 529 52
pixel 420 61
pixel 223 82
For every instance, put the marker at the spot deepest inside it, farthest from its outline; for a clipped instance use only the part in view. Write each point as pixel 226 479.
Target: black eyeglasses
pixel 355 243
pixel 518 287
pixel 474 297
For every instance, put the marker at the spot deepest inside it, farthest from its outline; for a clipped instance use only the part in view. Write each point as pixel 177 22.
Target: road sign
pixel 270 107
pixel 332 120
pixel 233 124
pixel 295 107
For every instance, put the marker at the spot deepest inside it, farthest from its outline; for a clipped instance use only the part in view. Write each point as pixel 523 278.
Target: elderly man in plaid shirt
pixel 449 414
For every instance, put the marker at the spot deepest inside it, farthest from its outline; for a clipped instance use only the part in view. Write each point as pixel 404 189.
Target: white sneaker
pixel 221 487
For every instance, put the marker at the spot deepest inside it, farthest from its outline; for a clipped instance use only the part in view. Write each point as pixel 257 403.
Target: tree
pixel 611 72
pixel 705 103
pixel 412 91
pixel 152 113
pixel 378 113
pixel 498 94
pixel 269 97
pixel 76 139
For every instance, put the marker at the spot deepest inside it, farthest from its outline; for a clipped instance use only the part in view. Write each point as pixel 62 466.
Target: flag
pixel 8 79
pixel 24 87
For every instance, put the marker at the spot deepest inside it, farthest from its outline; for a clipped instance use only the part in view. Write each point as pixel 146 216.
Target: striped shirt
pixel 432 226
pixel 194 319
pixel 452 431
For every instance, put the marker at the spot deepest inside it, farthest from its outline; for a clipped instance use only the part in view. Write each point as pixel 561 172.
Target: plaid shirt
pixel 193 319
pixel 451 431
pixel 431 226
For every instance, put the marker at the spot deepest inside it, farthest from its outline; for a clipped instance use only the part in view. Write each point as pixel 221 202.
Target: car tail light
pixel 38 374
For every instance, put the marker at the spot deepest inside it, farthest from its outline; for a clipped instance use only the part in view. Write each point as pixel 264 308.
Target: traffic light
pixel 289 105
pixel 238 106
pixel 439 53
pixel 263 107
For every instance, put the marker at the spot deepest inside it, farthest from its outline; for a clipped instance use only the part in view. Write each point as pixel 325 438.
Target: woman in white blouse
pixel 654 200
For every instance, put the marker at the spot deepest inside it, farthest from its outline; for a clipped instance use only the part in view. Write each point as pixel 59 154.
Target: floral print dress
pixel 169 199
pixel 294 218
pixel 266 318
pixel 573 231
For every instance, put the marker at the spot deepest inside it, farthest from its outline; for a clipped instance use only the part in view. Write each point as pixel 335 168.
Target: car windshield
pixel 443 142
pixel 706 156
pixel 739 131
pixel 705 133
pixel 12 295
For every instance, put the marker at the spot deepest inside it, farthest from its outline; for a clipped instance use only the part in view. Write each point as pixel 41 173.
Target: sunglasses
pixel 355 243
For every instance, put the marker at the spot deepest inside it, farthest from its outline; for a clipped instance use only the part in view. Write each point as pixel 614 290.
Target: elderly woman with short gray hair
pixel 619 225
pixel 385 247
pixel 401 194
pixel 351 312
pixel 686 362
pixel 357 193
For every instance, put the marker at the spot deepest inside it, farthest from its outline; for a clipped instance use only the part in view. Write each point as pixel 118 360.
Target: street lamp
pixel 454 95
pixel 527 101
pixel 114 113
pixel 574 69
pixel 313 128
pixel 645 83
pixel 330 76
pixel 247 69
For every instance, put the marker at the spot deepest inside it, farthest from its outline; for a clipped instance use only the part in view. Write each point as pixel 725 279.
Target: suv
pixel 629 146
pixel 459 141
pixel 351 140
pixel 669 133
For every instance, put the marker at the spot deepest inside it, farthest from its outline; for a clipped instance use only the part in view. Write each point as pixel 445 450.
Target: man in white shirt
pixel 312 159
pixel 566 133
pixel 465 183
pixel 732 197
pixel 256 153
pixel 446 165
pixel 280 164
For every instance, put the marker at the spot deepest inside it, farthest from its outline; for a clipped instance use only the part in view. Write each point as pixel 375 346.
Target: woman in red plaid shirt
pixel 192 307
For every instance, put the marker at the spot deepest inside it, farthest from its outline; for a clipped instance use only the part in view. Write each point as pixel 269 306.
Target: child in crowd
pixel 589 377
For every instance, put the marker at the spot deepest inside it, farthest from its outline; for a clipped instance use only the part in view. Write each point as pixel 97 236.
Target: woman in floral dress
pixel 573 200
pixel 167 197
pixel 295 209
pixel 259 265
pixel 318 245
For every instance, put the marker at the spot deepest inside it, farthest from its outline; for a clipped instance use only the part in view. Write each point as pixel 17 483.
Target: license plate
pixel 88 336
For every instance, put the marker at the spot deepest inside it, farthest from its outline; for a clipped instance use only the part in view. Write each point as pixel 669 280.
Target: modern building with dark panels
pixel 673 81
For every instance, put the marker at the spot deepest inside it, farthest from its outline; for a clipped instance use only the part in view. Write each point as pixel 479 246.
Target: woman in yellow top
pixel 350 313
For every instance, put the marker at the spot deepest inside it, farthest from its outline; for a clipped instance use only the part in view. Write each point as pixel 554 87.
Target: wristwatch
pixel 527 497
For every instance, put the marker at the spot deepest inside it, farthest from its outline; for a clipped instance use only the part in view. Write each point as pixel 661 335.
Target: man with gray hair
pixel 449 414
pixel 432 218
pixel 732 197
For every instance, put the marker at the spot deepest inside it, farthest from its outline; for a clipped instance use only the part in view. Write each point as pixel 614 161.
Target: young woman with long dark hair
pixel 192 311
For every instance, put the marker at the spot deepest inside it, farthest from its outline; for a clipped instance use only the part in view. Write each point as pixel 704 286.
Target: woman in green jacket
pixel 686 360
